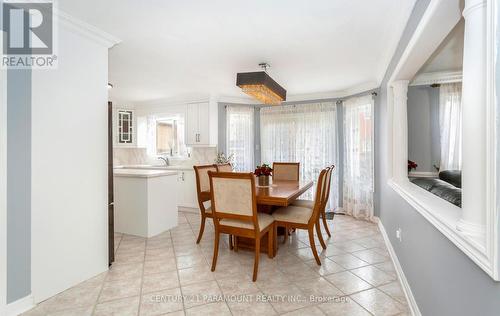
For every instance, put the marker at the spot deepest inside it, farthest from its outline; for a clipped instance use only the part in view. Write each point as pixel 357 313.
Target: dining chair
pixel 303 217
pixel 203 191
pixel 310 204
pixel 234 207
pixel 286 171
pixel 226 167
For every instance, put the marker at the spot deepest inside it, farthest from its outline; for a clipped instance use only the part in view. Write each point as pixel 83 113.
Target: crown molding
pixel 337 94
pixel 85 29
pixel 429 78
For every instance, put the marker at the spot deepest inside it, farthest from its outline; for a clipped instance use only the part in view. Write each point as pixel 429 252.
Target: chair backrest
pixel 226 167
pixel 233 196
pixel 328 184
pixel 319 198
pixel 286 171
pixel 203 181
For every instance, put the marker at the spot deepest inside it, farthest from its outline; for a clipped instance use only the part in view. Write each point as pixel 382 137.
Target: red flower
pixel 264 170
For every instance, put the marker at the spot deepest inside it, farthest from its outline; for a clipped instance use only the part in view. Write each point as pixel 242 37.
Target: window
pixel 162 135
pixel 358 157
pixel 125 127
pixel 305 133
pixel 170 137
pixel 240 136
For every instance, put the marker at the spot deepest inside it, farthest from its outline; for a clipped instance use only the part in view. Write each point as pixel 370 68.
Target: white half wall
pixel 69 166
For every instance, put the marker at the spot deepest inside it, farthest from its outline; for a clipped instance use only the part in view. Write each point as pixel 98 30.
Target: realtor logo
pixel 28 40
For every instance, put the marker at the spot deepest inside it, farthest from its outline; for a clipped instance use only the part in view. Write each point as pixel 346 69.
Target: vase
pixel 263 181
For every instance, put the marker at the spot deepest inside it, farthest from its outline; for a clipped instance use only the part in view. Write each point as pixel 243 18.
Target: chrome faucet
pixel 165 159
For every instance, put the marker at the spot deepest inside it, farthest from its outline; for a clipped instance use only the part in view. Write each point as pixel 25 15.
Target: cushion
pixel 448 193
pixel 303 203
pixel 425 183
pixel 453 177
pixel 264 221
pixel 293 214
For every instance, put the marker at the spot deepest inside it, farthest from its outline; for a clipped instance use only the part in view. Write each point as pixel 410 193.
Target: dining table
pixel 277 194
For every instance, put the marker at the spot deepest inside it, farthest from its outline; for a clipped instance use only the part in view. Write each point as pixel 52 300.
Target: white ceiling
pixel 450 53
pixel 186 47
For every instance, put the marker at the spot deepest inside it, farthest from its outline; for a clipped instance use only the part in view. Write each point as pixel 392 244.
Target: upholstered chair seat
pixel 293 214
pixel 303 203
pixel 264 221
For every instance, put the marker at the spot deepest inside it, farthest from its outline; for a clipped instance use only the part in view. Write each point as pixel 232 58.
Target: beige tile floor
pixel 151 275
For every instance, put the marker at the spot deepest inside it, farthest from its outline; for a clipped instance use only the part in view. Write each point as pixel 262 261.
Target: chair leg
pixel 231 242
pixel 256 262
pixel 320 235
pixel 285 239
pixel 216 251
pixel 313 246
pixel 270 241
pixel 202 228
pixel 325 224
pixel 235 243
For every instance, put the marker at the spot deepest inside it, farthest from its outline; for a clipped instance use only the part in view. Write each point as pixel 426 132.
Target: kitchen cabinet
pixel 201 124
pixel 187 189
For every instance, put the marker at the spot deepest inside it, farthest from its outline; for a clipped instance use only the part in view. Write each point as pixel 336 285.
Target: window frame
pixel 442 215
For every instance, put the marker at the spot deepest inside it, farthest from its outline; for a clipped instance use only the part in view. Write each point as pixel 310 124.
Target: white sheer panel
pixel 450 126
pixel 358 157
pixel 240 136
pixel 305 133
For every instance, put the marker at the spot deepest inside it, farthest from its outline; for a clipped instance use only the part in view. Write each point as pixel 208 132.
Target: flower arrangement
pixel 412 165
pixel 263 170
pixel 223 159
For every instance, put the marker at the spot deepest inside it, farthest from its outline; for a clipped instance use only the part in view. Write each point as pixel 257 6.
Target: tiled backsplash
pixel 138 156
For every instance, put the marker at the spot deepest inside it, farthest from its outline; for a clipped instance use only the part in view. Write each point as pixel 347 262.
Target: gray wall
pixel 423 127
pixel 18 184
pixel 443 279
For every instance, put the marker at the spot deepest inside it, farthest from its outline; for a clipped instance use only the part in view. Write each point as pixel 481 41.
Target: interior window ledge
pixel 445 217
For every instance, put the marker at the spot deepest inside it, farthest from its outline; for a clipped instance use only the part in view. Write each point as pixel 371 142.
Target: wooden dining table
pixel 278 194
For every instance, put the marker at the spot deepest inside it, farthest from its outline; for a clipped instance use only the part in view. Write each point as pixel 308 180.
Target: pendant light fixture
pixel 261 86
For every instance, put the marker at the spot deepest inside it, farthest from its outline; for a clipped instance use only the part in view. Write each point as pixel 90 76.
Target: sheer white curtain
pixel 305 133
pixel 358 157
pixel 450 126
pixel 240 136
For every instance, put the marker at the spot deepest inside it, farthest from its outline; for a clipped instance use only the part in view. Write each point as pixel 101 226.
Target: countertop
pixel 142 173
pixel 155 167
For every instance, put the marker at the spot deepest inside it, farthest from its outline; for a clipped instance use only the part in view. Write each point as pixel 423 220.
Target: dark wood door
pixel 111 224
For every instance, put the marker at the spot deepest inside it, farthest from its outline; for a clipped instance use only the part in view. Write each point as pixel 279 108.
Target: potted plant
pixel 412 165
pixel 262 173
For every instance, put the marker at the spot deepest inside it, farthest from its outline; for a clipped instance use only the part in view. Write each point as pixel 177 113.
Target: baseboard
pixel 399 270
pixel 188 209
pixel 20 306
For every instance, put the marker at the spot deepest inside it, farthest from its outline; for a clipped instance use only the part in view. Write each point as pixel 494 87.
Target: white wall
pixel 69 167
pixel 3 188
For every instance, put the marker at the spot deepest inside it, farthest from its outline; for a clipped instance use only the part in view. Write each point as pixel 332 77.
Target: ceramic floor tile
pixel 327 266
pixel 123 307
pixel 195 275
pixel 149 274
pixel 160 303
pixel 307 311
pixel 120 289
pixel 373 275
pixel 347 282
pixel 238 285
pixel 250 305
pixel 160 281
pixel 348 261
pixel 344 307
pixel 200 293
pixel 213 309
pixel 370 256
pixel 395 291
pixel 378 303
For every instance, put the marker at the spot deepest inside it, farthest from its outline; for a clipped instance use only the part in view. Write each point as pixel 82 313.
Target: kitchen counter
pixel 143 173
pixel 155 167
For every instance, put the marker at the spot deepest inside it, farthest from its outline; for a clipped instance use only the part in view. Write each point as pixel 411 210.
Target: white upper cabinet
pixel 201 124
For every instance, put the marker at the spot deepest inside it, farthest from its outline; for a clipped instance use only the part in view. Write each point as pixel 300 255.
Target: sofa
pixel 448 186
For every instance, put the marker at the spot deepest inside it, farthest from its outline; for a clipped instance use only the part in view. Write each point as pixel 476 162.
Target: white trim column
pixel 400 130
pixel 474 111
